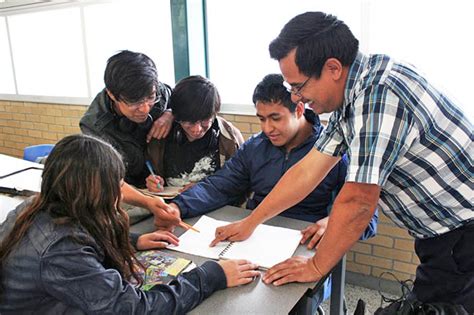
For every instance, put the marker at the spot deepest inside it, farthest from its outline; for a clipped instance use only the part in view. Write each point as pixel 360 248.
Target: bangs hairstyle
pixel 131 76
pixel 317 36
pixel 81 187
pixel 272 90
pixel 195 98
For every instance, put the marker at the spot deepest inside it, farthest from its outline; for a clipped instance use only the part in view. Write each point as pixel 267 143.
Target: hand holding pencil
pixel 154 183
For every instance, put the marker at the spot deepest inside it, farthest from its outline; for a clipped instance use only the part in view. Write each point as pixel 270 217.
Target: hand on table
pixel 314 232
pixel 294 269
pixel 186 187
pixel 157 239
pixel 238 272
pixel 166 216
pixel 237 231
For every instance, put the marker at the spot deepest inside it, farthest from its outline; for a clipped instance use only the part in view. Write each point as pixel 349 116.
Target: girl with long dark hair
pixel 68 250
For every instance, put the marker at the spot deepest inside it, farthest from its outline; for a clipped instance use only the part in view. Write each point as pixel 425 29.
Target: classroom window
pixel 48 53
pixel 239 35
pixel 142 26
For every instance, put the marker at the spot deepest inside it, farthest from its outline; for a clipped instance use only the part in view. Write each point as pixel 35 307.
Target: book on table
pixel 267 246
pixel 160 267
pixel 167 193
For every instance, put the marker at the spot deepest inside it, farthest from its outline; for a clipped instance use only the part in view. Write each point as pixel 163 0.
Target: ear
pixel 299 110
pixel 334 68
pixel 112 97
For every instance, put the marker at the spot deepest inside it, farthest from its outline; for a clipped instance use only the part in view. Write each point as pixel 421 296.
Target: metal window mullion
pixel 179 26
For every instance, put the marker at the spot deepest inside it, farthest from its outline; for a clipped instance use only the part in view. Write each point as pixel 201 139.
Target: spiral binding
pixel 222 253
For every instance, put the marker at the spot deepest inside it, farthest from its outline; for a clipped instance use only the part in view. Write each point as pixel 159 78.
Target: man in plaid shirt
pixel 410 151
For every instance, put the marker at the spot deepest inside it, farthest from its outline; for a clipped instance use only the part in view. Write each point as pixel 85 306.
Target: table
pixel 9 164
pixel 19 174
pixel 256 297
pixel 29 180
pixel 294 297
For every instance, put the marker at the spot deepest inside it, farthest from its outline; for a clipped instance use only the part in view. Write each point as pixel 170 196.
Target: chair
pixel 36 152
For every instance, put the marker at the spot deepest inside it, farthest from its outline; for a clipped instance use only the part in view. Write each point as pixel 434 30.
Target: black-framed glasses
pixel 295 89
pixel 150 101
pixel 206 123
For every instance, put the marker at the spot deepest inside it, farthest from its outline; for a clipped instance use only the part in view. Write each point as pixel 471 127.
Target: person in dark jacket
pixel 130 111
pixel 199 142
pixel 68 251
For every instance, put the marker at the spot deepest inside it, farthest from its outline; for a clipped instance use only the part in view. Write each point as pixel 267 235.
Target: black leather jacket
pixel 49 272
pixel 127 137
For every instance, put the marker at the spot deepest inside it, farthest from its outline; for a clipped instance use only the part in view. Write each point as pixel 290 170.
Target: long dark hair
pixel 81 187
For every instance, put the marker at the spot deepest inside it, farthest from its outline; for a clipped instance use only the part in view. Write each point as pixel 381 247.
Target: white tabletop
pixel 29 179
pixel 256 297
pixel 10 164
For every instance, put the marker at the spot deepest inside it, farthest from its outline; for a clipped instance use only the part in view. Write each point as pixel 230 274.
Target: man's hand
pixel 294 269
pixel 161 127
pixel 314 232
pixel 155 183
pixel 237 231
pixel 166 217
pixel 238 272
pixel 186 187
pixel 157 239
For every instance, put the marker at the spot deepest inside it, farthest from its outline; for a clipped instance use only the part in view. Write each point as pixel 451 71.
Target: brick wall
pixel 26 123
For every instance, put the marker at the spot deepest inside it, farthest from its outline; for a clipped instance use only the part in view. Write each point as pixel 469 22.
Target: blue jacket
pixel 50 272
pixel 256 168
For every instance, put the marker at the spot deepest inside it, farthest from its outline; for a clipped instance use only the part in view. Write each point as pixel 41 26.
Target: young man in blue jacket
pixel 288 134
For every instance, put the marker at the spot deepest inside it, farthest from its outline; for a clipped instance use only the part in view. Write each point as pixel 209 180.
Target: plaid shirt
pixel 402 134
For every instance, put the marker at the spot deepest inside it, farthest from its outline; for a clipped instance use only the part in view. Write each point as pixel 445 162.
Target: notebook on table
pixel 168 192
pixel 160 267
pixel 267 246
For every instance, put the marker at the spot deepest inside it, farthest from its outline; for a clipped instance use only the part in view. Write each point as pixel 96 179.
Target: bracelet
pixel 316 267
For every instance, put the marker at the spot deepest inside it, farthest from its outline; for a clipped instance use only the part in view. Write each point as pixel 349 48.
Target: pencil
pixel 150 168
pixel 188 227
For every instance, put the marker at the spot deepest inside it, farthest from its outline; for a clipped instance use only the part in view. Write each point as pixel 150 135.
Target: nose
pixel 196 129
pixel 145 108
pixel 267 126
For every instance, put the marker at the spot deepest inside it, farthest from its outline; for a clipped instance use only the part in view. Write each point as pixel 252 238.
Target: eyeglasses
pixel 295 89
pixel 149 101
pixel 204 123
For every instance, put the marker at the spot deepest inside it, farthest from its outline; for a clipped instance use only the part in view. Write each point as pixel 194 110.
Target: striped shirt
pixel 402 134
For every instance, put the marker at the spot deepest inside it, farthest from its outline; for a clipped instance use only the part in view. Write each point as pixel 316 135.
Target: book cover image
pixel 160 267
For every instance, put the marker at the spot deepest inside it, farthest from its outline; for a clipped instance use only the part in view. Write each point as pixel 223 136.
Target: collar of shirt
pixel 355 71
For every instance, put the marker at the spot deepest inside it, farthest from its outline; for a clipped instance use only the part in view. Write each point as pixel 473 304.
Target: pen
pixel 188 227
pixel 150 168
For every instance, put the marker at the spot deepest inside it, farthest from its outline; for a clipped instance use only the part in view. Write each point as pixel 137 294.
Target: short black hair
pixel 317 36
pixel 271 90
pixel 195 98
pixel 131 76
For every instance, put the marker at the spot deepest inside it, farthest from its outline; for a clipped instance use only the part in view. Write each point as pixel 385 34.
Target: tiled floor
pixel 354 293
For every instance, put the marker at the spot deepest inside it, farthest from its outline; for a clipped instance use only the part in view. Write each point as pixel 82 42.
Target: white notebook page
pixel 267 246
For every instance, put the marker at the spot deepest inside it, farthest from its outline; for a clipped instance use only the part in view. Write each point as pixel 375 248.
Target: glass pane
pixel 240 32
pixel 141 26
pixel 7 84
pixel 435 42
pixel 48 53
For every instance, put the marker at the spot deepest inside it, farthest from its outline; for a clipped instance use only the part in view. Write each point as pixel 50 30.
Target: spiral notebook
pixel 267 246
